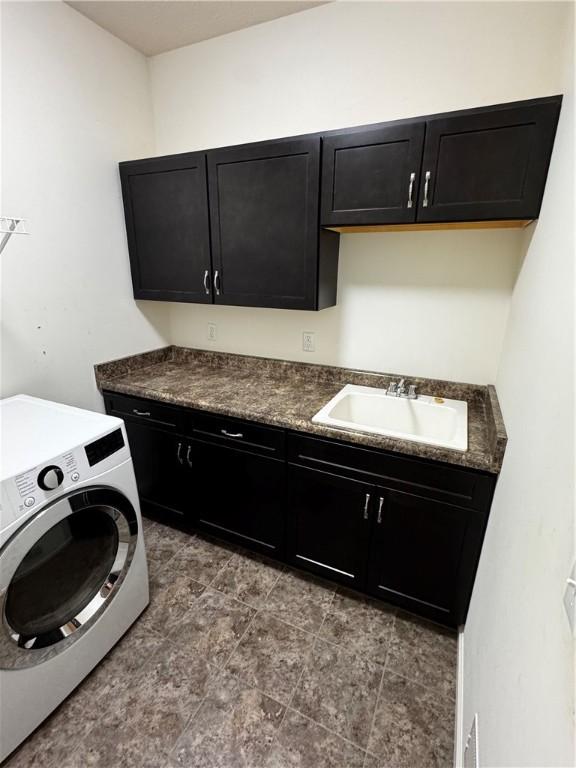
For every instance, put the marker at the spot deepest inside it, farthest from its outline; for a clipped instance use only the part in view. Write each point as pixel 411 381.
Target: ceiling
pixel 156 26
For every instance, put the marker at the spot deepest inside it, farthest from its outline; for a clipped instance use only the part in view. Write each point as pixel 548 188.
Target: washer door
pixel 60 570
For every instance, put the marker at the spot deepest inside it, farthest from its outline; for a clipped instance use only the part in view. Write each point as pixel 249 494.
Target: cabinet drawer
pixel 138 409
pixel 455 486
pixel 244 435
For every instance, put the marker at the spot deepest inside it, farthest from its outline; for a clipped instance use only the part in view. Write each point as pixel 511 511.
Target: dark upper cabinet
pixel 328 524
pixel 372 176
pixel 488 164
pixel 267 249
pixel 423 554
pixel 166 210
pixel 484 164
pixel 250 225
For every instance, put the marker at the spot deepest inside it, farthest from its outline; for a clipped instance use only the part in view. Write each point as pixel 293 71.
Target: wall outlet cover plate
pixel 308 341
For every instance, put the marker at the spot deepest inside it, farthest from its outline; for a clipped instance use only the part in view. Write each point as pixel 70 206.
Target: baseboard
pixel 459 720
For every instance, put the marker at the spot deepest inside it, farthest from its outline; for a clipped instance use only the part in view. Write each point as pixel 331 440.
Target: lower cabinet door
pixel 328 524
pixel 239 496
pixel 423 554
pixel 158 459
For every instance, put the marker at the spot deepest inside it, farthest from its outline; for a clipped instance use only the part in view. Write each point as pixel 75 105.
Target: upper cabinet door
pixel 491 164
pixel 264 221
pixel 372 177
pixel 166 209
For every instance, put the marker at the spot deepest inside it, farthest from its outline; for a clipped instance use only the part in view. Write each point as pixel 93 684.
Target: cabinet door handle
pixel 206 286
pixel 411 189
pixel 366 505
pixel 380 505
pixel 231 434
pixel 217 283
pixel 426 183
pixel 140 413
pixel 178 456
pixel 188 459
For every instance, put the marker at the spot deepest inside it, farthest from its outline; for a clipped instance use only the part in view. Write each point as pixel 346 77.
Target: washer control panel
pixel 39 483
pixel 42 483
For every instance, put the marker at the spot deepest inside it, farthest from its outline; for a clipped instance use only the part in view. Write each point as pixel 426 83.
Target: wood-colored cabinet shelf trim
pixel 431 226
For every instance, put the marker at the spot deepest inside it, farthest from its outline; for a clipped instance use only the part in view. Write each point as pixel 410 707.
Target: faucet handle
pixel 392 388
pixel 412 392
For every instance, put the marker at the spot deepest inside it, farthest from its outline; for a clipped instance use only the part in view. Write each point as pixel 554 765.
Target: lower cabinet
pixel 421 552
pixel 328 524
pixel 158 459
pixel 239 495
pixel 406 530
pixel 411 537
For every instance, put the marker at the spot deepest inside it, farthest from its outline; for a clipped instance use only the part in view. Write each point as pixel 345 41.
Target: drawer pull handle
pixel 411 189
pixel 206 288
pixel 380 505
pixel 140 413
pixel 231 434
pixel 178 456
pixel 188 459
pixel 426 183
pixel 366 505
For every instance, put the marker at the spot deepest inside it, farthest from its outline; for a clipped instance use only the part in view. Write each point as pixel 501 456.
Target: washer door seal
pixel 59 572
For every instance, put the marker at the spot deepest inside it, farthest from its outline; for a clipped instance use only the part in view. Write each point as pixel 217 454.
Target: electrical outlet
pixel 570 599
pixel 211 331
pixel 308 341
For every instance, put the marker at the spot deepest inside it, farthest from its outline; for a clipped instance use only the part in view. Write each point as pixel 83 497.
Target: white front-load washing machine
pixel 73 574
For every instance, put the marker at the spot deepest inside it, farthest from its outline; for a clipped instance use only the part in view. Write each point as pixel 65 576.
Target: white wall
pixel 75 101
pixel 518 652
pixel 398 296
pixel 349 64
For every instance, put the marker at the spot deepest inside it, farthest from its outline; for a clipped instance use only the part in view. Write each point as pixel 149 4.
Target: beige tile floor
pixel 241 662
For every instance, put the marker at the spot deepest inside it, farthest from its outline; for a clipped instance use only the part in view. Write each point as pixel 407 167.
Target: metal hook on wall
pixel 11 226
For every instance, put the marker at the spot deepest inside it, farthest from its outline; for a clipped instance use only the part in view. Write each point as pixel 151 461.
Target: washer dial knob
pixel 50 478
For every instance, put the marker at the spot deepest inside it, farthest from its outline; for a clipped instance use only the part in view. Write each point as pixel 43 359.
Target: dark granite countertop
pixel 288 394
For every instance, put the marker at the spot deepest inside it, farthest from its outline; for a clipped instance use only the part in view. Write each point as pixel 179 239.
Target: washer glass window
pixel 61 573
pixel 65 576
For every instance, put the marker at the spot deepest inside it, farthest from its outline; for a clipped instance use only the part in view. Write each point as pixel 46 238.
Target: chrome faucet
pixel 399 390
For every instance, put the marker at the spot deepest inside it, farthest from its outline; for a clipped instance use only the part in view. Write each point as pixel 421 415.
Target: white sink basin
pixel 431 420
